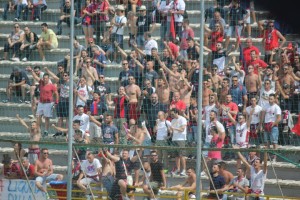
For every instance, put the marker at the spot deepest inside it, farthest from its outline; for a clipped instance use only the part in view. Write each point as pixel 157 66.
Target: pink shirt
pixel 216 142
pixel 185 35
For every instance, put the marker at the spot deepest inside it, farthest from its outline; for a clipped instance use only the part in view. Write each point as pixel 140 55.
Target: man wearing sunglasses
pixel 43 169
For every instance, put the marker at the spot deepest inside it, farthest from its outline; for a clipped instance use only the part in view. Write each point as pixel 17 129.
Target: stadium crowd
pixel 246 101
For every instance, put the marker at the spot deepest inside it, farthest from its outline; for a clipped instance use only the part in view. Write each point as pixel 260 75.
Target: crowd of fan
pixel 245 101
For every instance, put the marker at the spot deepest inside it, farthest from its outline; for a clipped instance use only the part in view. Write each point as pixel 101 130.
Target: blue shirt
pixel 102 59
pixel 237 94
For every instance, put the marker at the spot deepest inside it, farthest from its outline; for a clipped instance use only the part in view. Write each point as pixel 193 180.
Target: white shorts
pixel 44 109
pixel 247 21
pixel 87 181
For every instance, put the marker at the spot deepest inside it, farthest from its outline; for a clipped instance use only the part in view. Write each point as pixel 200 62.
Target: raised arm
pixel 56 79
pixel 22 121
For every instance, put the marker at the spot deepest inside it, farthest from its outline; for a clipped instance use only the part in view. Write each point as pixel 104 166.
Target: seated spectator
pixel 29 42
pixel 14 42
pixel 18 82
pixel 44 171
pixel 77 49
pixel 37 6
pixel 65 17
pixel 11 170
pixel 22 7
pixel 91 170
pixel 28 168
pixel 19 152
pixel 48 40
pixel 239 184
pixel 9 6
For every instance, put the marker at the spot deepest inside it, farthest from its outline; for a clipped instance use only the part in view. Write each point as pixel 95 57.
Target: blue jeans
pixel 140 40
pixel 20 8
pixel 192 135
pixel 38 10
pixel 272 136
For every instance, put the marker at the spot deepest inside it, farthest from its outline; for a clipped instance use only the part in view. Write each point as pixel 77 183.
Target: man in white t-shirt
pixel 264 93
pixel 258 175
pixel 83 118
pixel 271 117
pixel 207 109
pixel 92 169
pixel 178 130
pixel 149 44
pixel 161 129
pixel 177 8
pixel 241 127
pixel 255 120
pixel 83 92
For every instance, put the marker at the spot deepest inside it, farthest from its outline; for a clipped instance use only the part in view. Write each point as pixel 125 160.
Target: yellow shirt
pixel 47 35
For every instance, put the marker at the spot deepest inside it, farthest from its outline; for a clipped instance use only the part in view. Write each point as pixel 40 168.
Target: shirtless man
pixel 173 74
pixel 189 184
pixel 228 176
pixel 43 169
pixel 163 89
pixel 253 83
pixel 35 135
pixel 89 72
pixel 224 90
pixel 185 90
pixel 286 78
pixel 205 93
pixel 216 79
pixel 133 94
pixel 131 24
pixel 108 173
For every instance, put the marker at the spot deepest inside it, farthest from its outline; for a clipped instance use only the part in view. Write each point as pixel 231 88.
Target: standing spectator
pixel 143 23
pixel 271 39
pixel 163 89
pixel 265 92
pixel 29 42
pixel 38 6
pixel 133 94
pixel 253 112
pixel 124 165
pixel 236 17
pixel 258 175
pixel 65 17
pixel 28 168
pixel 43 169
pixel 206 92
pixel 14 42
pixel 125 73
pixel 100 16
pixel 210 11
pixel 256 62
pixel 92 169
pixel 118 22
pixel 110 132
pixel 83 92
pixel 178 129
pixel 120 103
pixel 99 60
pixel 157 178
pixel 103 88
pixel 35 135
pixel 247 52
pixel 18 82
pixel 89 72
pixel 252 83
pixel 216 35
pixel 48 40
pixel 87 23
pixel 239 94
pixel 270 119
pixel 192 51
pixel 83 118
pixel 46 103
pixel 178 103
pixel 150 74
pixel 177 9
pixel 22 7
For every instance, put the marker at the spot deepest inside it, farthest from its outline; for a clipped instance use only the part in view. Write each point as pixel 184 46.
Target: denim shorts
pixel 272 136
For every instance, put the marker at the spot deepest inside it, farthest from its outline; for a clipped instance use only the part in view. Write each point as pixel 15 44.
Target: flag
pixel 172 27
pixel 296 128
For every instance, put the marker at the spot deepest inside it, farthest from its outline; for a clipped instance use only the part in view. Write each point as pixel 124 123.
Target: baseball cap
pixel 120 7
pixel 143 8
pixel 16 69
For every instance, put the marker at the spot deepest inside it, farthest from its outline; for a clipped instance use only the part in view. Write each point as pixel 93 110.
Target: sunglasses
pixel 46 153
pixel 124 63
pixel 16 26
pixel 65 75
pixel 153 155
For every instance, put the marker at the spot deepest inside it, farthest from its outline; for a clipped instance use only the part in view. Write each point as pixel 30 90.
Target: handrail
pixel 169 196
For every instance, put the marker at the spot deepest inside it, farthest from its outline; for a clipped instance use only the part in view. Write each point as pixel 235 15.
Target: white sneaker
pixel 16 59
pixel 203 173
pixel 254 24
pixel 183 173
pixel 24 59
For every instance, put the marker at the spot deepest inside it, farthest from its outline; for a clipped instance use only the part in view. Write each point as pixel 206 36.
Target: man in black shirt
pixel 123 166
pixel 157 178
pixel 65 17
pixel 103 87
pixel 18 82
pixel 143 25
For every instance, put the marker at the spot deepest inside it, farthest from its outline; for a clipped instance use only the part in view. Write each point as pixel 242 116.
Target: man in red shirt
pixel 178 103
pixel 28 168
pixel 256 62
pixel 45 105
pixel 247 51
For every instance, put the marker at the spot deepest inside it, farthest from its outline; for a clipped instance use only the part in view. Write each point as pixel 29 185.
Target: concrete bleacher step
pixel 64 41
pixel 36 27
pixel 112 70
